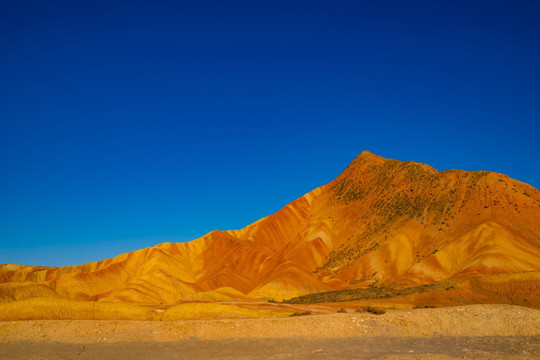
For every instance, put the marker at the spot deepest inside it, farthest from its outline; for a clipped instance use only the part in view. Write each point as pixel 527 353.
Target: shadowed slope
pixel 380 222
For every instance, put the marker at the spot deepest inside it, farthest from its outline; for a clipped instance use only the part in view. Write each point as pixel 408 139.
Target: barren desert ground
pixel 474 332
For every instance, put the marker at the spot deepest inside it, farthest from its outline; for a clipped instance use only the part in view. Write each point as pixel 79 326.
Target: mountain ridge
pixel 380 222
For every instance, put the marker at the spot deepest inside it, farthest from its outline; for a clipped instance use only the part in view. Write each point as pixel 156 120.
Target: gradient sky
pixel 127 124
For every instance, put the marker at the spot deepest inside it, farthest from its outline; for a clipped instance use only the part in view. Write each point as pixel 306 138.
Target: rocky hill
pixel 381 223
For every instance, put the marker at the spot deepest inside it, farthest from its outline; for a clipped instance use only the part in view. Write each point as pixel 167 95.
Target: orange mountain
pixel 382 223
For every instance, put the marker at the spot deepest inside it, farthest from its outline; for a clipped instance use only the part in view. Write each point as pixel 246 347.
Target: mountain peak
pixel 368 155
pixel 367 159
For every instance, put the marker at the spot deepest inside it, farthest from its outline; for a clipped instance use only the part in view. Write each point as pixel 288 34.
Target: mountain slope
pixel 381 222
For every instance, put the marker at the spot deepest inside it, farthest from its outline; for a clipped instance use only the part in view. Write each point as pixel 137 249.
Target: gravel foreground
pixel 288 348
pixel 475 332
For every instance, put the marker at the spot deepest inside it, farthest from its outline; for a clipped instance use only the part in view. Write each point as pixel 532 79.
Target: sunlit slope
pixel 218 266
pixel 380 222
pixel 404 221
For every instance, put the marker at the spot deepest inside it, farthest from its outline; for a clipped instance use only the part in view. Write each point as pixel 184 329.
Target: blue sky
pixel 127 124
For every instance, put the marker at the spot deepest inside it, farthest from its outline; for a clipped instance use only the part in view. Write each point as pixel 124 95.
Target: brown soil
pixel 480 331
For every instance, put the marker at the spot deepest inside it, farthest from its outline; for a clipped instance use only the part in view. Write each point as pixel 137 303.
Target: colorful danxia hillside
pixel 385 231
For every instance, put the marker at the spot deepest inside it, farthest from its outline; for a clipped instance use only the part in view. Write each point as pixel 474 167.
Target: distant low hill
pixel 382 224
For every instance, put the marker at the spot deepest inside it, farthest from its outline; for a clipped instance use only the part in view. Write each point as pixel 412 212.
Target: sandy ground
pixel 288 348
pixel 478 331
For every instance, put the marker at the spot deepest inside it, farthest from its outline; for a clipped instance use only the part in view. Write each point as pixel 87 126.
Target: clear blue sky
pixel 127 124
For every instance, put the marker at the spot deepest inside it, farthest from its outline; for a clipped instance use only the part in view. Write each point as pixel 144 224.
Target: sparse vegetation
pixel 346 191
pixel 372 292
pixel 305 313
pixel 372 310
pixel 388 209
pixel 272 301
pixel 342 310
